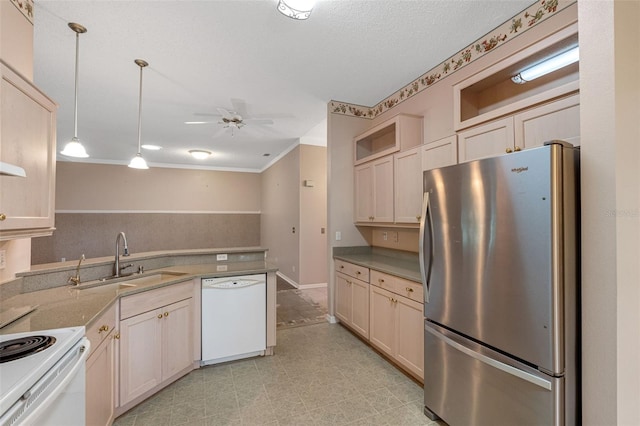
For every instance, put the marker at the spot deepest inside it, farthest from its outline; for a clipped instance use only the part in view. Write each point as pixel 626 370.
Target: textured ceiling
pixel 205 55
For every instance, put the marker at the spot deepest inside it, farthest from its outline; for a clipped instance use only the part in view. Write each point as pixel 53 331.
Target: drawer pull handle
pixel 517 148
pixel 166 314
pixel 2 216
pixel 103 328
pixel 409 289
pixel 418 218
pixel 160 316
pixel 508 150
pixel 117 336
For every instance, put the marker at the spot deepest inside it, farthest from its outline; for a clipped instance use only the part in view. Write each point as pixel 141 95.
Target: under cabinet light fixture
pixel 296 9
pixel 554 63
pixel 138 162
pixel 200 154
pixel 74 147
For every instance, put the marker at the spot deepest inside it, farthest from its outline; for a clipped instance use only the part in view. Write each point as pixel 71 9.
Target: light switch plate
pixel 3 259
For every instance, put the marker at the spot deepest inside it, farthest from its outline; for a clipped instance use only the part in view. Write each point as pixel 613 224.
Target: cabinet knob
pixel 116 336
pixel 517 148
pixel 418 218
pixel 2 216
pixel 508 150
pixel 380 280
pixel 358 272
pixel 341 266
pixel 166 314
pixel 409 289
pixel 103 328
pixel 160 316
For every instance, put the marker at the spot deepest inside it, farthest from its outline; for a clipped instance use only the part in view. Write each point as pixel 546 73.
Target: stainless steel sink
pixel 155 278
pixel 130 282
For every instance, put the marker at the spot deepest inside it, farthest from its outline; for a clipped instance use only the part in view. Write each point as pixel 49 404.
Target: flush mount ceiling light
pixel 151 147
pixel 549 65
pixel 138 162
pixel 296 9
pixel 199 154
pixel 74 148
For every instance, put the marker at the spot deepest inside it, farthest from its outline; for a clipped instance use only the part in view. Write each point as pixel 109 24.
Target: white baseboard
pixel 315 285
pixel 332 319
pixel 287 279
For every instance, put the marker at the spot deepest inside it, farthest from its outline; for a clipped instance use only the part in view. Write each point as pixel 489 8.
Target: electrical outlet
pixel 338 235
pixel 221 257
pixel 3 259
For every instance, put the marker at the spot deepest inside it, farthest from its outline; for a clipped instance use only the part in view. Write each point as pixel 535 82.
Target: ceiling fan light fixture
pixel 199 154
pixel 74 147
pixel 138 162
pixel 296 9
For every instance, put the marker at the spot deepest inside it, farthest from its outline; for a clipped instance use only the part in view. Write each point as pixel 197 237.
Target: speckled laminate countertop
pixel 405 265
pixel 69 306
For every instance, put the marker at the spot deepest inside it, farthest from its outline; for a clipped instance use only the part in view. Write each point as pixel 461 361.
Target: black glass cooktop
pixel 24 346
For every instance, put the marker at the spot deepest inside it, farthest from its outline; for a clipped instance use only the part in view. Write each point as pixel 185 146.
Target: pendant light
pixel 296 9
pixel 138 162
pixel 74 148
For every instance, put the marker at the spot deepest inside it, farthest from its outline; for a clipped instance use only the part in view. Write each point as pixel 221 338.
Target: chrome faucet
pixel 76 279
pixel 117 268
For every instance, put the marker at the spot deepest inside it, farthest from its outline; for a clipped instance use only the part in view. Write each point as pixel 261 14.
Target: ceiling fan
pixel 234 119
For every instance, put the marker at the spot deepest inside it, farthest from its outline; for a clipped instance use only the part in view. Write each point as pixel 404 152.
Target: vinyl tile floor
pixel 320 375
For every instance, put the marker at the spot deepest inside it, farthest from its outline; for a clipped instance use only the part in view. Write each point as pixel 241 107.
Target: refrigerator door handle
pixel 545 384
pixel 425 221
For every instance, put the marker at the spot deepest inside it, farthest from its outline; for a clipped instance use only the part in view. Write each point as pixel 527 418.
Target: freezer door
pixel 466 384
pixel 491 256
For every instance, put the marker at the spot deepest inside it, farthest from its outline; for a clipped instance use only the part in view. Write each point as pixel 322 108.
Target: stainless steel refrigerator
pixel 499 259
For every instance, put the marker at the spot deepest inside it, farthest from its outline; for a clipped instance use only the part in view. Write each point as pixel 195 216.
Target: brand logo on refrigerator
pixel 519 169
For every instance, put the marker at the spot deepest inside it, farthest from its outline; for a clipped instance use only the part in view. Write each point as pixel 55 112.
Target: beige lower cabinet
pixel 100 370
pixel 352 303
pixel 396 328
pixel 156 339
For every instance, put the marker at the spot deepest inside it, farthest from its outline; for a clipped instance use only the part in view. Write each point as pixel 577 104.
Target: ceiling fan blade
pixel 224 113
pixel 258 121
pixel 199 122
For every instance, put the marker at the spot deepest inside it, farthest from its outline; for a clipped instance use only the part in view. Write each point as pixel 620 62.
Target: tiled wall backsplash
pixel 94 234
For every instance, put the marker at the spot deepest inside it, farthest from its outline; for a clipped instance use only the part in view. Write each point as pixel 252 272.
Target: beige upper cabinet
pixel 529 129
pixel 27 140
pixel 374 191
pixel 396 134
pixel 440 153
pixel 408 185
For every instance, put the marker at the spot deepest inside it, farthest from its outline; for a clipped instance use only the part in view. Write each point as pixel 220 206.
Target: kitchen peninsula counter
pixel 69 306
pixel 394 262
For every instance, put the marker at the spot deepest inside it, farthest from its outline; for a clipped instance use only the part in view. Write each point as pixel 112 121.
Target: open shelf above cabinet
pixel 491 93
pixel 398 133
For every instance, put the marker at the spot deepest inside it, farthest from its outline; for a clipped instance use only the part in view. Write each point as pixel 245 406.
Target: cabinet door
pixel 408 186
pixel 383 190
pixel 363 193
pixel 487 140
pixel 28 135
pixel 360 307
pixel 410 335
pixel 556 120
pixel 343 298
pixel 177 337
pixel 100 384
pixel 382 329
pixel 140 354
pixel 441 153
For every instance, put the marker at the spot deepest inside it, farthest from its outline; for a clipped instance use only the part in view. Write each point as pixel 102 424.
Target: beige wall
pixel 159 208
pixel 281 213
pixel 99 187
pixel 313 215
pixel 610 134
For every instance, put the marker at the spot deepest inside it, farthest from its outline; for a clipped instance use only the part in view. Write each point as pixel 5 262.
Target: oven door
pixel 58 398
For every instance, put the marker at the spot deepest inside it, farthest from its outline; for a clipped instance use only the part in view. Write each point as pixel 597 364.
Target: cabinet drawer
pixel 352 270
pixel 101 327
pixel 154 299
pixel 409 289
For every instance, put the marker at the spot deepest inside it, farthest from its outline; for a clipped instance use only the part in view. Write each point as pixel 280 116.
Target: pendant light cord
pixel 140 112
pixel 75 109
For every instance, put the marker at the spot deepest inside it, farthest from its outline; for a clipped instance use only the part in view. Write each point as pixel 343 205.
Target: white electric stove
pixel 42 377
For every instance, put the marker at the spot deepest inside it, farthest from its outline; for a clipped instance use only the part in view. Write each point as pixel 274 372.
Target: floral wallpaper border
pixel 528 18
pixel 26 7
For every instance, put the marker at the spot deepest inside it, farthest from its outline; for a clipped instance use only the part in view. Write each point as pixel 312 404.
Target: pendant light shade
pixel 74 147
pixel 138 162
pixel 296 9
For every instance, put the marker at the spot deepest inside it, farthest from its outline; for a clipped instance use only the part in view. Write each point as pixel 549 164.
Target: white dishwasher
pixel 234 318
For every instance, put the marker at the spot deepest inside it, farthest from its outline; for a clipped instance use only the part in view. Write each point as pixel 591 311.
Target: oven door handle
pixel 80 363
